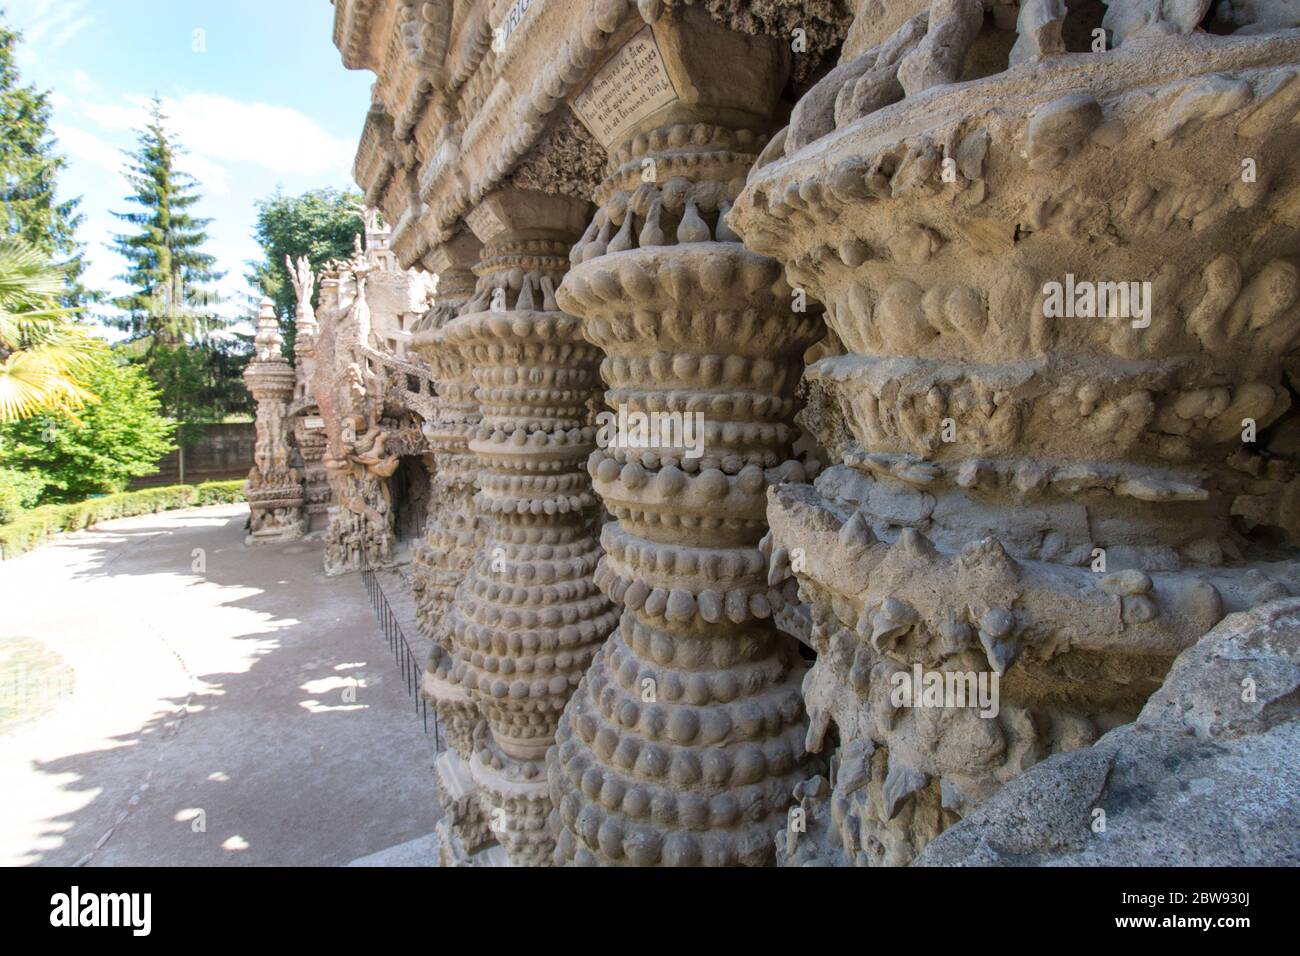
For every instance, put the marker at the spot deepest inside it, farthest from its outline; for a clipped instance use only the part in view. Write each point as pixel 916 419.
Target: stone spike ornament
pixel 528 617
pixel 1046 493
pixel 274 489
pixel 684 742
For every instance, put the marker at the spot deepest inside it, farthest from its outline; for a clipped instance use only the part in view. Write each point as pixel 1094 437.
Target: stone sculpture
pixel 350 394
pixel 308 427
pixel 453 538
pixel 274 488
pixel 1200 752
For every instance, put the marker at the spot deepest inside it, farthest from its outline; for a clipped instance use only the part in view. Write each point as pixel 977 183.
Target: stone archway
pixel 408 489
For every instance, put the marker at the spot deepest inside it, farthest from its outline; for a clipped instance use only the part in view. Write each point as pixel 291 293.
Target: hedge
pixel 33 528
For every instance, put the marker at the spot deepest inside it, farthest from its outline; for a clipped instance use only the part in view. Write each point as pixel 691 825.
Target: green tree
pixel 29 171
pixel 168 312
pixel 200 383
pixel 43 354
pixel 118 436
pixel 320 224
pixel 166 265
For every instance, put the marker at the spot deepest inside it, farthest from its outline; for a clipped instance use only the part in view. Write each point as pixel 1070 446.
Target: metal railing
pixel 410 666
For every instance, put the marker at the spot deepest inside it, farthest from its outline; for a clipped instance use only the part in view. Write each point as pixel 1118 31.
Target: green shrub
pixel 32 528
pixel 119 436
pixel 19 491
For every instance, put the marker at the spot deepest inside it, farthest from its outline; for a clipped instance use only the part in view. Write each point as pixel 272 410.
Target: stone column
pixel 528 617
pixel 685 739
pixel 1035 492
pixel 275 493
pixel 452 539
pixel 441 558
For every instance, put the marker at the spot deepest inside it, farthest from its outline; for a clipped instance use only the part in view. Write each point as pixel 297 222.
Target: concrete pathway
pixel 170 697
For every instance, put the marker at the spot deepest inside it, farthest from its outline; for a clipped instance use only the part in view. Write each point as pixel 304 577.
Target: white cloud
pixel 212 176
pixel 82 82
pixel 60 20
pixel 87 147
pixel 215 127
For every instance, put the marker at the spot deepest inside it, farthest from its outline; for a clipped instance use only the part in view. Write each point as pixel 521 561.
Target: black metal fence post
pixel 403 656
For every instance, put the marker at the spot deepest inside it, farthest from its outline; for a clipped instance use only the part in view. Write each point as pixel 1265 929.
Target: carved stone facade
pixel 308 427
pixel 849 256
pixel 1052 496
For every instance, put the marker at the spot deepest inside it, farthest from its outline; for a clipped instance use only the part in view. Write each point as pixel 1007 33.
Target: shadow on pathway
pixel 229 706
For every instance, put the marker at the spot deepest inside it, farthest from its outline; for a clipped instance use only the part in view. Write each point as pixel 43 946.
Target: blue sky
pixel 254 88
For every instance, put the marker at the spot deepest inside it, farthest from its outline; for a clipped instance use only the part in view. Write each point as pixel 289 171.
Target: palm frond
pixel 35 381
pixel 43 353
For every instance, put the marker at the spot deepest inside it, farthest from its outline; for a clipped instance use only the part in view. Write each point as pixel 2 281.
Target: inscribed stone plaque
pixel 627 89
pixel 483 222
pixel 313 424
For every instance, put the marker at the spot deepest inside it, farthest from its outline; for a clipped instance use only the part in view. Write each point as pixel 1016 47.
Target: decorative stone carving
pixel 1200 752
pixel 567 161
pixel 1026 492
pixel 362 408
pixel 686 737
pixel 453 535
pixel 528 617
pixel 308 426
pixel 815 26
pixel 274 488
pixel 350 392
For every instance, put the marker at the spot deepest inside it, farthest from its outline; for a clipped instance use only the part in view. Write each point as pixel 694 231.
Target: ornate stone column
pixel 274 489
pixel 452 539
pixel 441 559
pixel 528 617
pixel 1035 491
pixel 686 737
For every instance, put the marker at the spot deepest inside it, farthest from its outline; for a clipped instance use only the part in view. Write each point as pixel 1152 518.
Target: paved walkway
pixel 170 697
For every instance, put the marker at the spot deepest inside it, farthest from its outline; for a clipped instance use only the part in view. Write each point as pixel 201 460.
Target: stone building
pixel 829 410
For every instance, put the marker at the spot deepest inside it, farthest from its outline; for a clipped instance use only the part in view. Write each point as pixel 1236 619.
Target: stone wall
pixel 221 452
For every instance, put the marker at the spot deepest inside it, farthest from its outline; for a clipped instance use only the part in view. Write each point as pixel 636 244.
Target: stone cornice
pixel 558 45
pixel 352 31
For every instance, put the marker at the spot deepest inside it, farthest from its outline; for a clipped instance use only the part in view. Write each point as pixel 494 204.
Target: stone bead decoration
pixel 528 617
pixel 685 739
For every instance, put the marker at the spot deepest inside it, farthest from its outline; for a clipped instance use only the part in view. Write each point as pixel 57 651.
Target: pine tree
pixel 29 170
pixel 167 268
